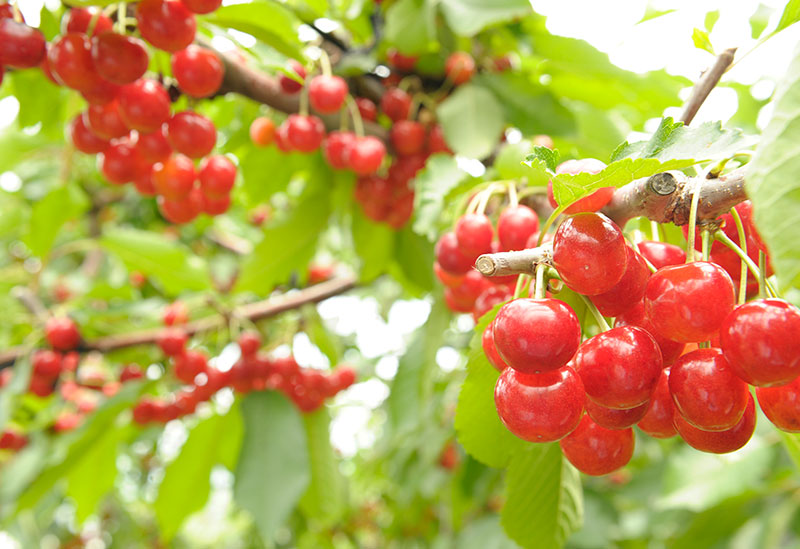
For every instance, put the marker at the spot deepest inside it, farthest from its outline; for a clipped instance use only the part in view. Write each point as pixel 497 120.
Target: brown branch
pixel 707 81
pixel 252 311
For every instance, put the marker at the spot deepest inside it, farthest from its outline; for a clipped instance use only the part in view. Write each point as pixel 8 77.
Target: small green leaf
pixel 472 120
pixel 759 20
pixel 325 499
pixel 710 20
pixel 790 16
pixel 50 213
pixel 468 17
pixel 269 22
pixel 652 13
pixel 549 157
pixel 440 176
pixel 701 41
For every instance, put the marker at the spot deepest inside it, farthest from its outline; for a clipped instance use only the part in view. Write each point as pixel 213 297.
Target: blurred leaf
pixel 791 443
pixel 410 26
pixel 440 176
pixel 374 245
pixel 472 121
pixel 484 533
pixel 759 20
pixel 710 20
pixel 790 16
pixel 468 17
pixel 273 469
pixel 13 212
pixel 652 13
pixel 45 106
pixel 60 205
pixel 414 258
pixel 269 22
pixel 266 171
pixel 701 41
pixel 748 109
pixel 325 499
pixel 330 344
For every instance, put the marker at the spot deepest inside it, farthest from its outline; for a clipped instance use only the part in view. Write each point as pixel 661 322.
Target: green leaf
pixel 411 26
pixel 772 182
pixel 172 264
pixel 269 22
pixel 273 469
pixel 186 483
pixel 330 344
pixel 790 16
pixel 266 171
pixel 484 533
pixel 544 498
pixel 472 121
pixel 325 499
pixel 548 157
pixel 791 442
pixel 440 176
pixel 468 17
pixel 652 13
pixel 49 214
pixel 702 41
pixel 414 258
pixel 374 245
pixel 759 20
pixel 507 163
pixel 45 107
pixel 710 20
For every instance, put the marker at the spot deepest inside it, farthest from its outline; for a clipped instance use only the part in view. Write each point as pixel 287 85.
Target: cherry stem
pixel 762 273
pixel 303 110
pixel 704 345
pixel 601 321
pixel 486 195
pixel 690 251
pixel 513 200
pixel 548 224
pixel 530 191
pixel 650 266
pixel 541 284
pixel 522 282
pixel 17 13
pixel 751 265
pixel 325 63
pixel 344 123
pixel 655 230
pixel 706 237
pixel 743 244
pixel 122 13
pixel 358 123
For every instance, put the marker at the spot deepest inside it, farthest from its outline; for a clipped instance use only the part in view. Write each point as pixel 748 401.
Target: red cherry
pixel 471 287
pixel 84 139
pixel 437 142
pixel 289 85
pixel 760 342
pixel 635 316
pixel 175 313
pixel 78 20
pixel 172 341
pixel 305 133
pixel 202 6
pixel 326 93
pixel 131 372
pixel 661 254
pixel 217 176
pixel 615 419
pixel 191 134
pixel 62 333
pixel 101 92
pixel 367 109
pixel 70 60
pixel 539 407
pixel 657 422
pixel 174 178
pixel 502 63
pixel 21 46
pixel 705 390
pixel 216 205
pixel 366 155
pixel 144 184
pixel 11 439
pixel 474 233
pixel 199 71
pixel 166 24
pixel 595 450
pixel 401 209
pixel 487 341
pixel 719 442
pixel 396 104
pixel 119 58
pixel 282 138
pixel 781 405
pixel 144 105
pixel 154 146
pixel 494 295
pixel 450 256
pixel 46 364
pixel 337 147
pixel 262 131
pixel 189 364
pixel 590 253
pixel 105 121
pixel 407 136
pixel 399 61
pixel 459 67
pixel 590 203
pixel 515 226
pixel 629 291
pixel 7 11
pixel 689 302
pixel 121 163
pixel 184 210
pixel 449 280
pixel 536 335
pixel 249 343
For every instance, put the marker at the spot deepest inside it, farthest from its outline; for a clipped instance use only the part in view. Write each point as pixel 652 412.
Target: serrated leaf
pixel 544 497
pixel 468 17
pixel 325 499
pixel 269 22
pixel 49 214
pixel 440 176
pixel 411 26
pixel 548 157
pixel 702 41
pixel 472 120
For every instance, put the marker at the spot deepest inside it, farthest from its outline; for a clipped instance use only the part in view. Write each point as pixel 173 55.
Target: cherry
pixel 174 178
pixel 459 67
pixel 78 20
pixel 407 137
pixel 591 203
pixel 337 148
pixel 635 316
pixel 629 291
pixel 249 342
pixel 202 6
pixel 121 162
pixel 615 419
pixel 167 24
pixel 199 71
pixel 184 210
pixel 131 372
pixel 7 11
pixel 661 254
pixel 781 405
pixel 62 333
pixel 84 139
pixel 536 335
pixel 367 109
pixel 489 349
pixel 760 342
pixel 262 131
pixel 305 133
pixel 101 92
pixel 471 287
pixel 21 46
pixel 450 256
pixel 289 85
pixel 366 155
pixel 688 302
pixel 105 121
pixel 70 60
pixel 515 226
pixel 719 442
pixel 595 450
pixel 46 364
pixel 119 58
pixel 399 61
pixel 449 280
pixel 327 93
pixel 191 134
pixel 144 105
pixel 657 422
pixel 474 233
pixel 502 63
pixel 217 175
pixel 144 184
pixel 590 253
pixel 216 205
pixel 282 138
pixel 705 390
pixel 539 407
pixel 41 387
pixel 396 104
pixel 10 439
pixel 437 142
pixel 494 295
pixel 153 146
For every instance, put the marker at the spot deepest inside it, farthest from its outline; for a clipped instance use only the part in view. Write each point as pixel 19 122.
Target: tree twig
pixel 707 82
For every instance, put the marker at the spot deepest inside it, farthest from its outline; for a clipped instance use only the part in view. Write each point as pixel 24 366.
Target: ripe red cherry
pixel 101 92
pixel 337 148
pixel 144 105
pixel 491 296
pixel 144 184
pixel 262 131
pixel 635 316
pixel 474 233
pixel 448 279
pixel 46 364
pixel 62 333
pixel 174 178
pixel 437 142
pixel 689 302
pixel 539 407
pixel 407 137
pixel 515 226
pixel 191 134
pixel 154 146
pixel 21 46
pixel 400 61
pixel 459 67
pixel 615 419
pixel 450 256
pixel 79 19
pixel 202 6
pixel 471 287
pixel 326 93
pixel 536 335
pixel 249 342
pixel 590 203
pixel 607 383
pixel 121 163
pixel 661 254
pixel 198 71
pixel 84 139
pixel 289 85
pixel 131 372
pixel 70 61
pixel 217 176
pixel 105 121
pixel 183 210
pixel 719 442
pixel 781 405
pixel 396 104
pixel 590 253
pixel 629 291
pixel 305 133
pixel 118 58
pixel 366 155
pixel 216 205
pixel 367 109
pixel 189 364
pixel 489 349
pixel 595 450
pixel 705 390
pixel 657 422
pixel 167 24
pixel 761 342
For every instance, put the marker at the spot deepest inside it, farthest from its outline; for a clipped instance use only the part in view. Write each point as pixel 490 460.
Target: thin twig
pixel 707 82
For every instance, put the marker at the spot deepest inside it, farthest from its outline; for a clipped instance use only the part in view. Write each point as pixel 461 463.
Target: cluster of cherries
pixel 128 122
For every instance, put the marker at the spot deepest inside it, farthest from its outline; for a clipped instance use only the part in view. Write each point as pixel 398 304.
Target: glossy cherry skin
pixel 262 131
pixel 657 422
pixel 536 335
pixel 84 139
pixel 216 205
pixel 474 233
pixel 21 46
pixel 689 302
pixel 289 85
pixel 595 450
pixel 407 137
pixel 174 178
pixel 184 210
pixel 305 133
pixel 635 316
pixel 190 364
pixel 166 24
pixel 144 184
pixel 70 61
pixel 515 226
pixel 781 405
pixel 118 58
pixel 154 146
pixel 661 254
pixel 79 19
pixel 396 104
pixel 326 93
pixel 62 333
pixel 337 148
pixel 144 105
pixel 191 134
pixel 629 291
pixel 217 175
pixel 202 6
pixel 105 121
pixel 619 368
pixel 705 390
pixel 719 442
pixel 471 287
pixel 761 341
pixel 539 407
pixel 450 256
pixel 459 67
pixel 198 71
pixel 367 109
pixel 121 162
pixel 401 61
pixel 437 142
pixel 487 342
pixel 615 419
pixel 366 155
pixel 590 253
pixel 594 201
pixel 491 296
pixel 448 279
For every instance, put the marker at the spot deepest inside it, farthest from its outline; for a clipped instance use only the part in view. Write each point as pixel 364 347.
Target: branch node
pixel 662 184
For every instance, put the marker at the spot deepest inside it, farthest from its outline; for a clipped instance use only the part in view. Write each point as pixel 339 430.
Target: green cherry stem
pixel 541 283
pixel 751 265
pixel 513 200
pixel 655 231
pixel 358 123
pixel 122 13
pixel 325 63
pixel 705 235
pixel 762 273
pixel 604 327
pixel 743 244
pixel 523 281
pixel 548 224
pixel 690 251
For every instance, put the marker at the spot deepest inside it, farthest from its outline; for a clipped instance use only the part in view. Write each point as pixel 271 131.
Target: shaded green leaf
pixel 710 20
pixel 49 214
pixel 411 26
pixel 374 244
pixel 440 176
pixel 468 17
pixel 413 259
pixel 759 20
pixel 269 22
pixel 325 499
pixel 472 120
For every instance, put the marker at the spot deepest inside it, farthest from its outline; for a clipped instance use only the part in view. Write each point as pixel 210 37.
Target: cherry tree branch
pixel 703 87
